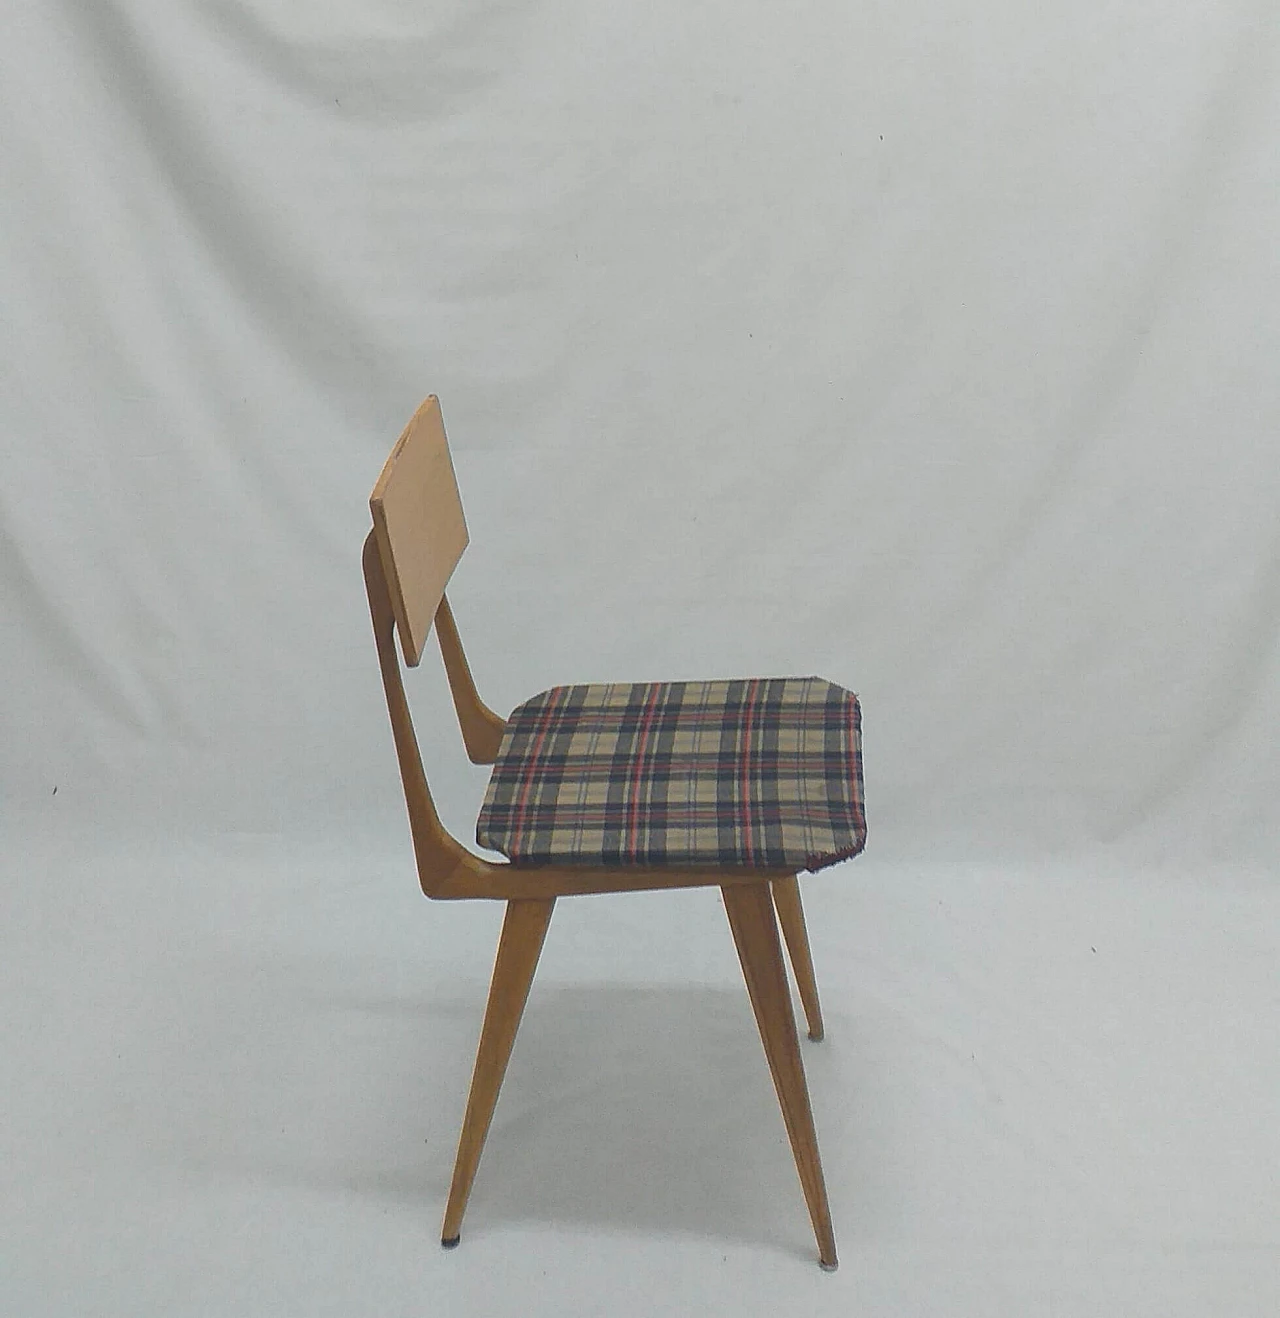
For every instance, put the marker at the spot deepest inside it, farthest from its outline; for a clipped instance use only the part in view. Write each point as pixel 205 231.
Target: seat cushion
pixel 764 772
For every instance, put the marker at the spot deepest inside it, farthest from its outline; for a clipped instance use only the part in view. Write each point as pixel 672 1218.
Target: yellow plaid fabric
pixel 763 772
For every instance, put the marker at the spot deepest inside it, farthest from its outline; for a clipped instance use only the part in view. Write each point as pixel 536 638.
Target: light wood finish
pixel 418 536
pixel 417 518
pixel 523 933
pixel 755 932
pixel 786 897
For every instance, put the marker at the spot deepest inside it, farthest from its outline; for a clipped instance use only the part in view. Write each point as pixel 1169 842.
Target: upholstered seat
pixel 763 772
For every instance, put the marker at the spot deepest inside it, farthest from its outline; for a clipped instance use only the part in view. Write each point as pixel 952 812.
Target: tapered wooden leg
pixel 750 908
pixel 523 932
pixel 786 897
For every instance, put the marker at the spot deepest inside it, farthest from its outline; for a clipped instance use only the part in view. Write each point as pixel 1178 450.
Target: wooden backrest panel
pixel 418 525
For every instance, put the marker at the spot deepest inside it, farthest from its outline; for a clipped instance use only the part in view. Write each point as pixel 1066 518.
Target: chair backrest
pixel 419 526
pixel 417 539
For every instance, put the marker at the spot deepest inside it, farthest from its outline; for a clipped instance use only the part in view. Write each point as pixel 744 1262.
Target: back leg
pixel 786 897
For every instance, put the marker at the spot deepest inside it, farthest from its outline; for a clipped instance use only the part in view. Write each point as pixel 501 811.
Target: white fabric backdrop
pixel 931 348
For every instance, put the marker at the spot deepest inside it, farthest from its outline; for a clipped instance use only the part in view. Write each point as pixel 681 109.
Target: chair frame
pixel 449 871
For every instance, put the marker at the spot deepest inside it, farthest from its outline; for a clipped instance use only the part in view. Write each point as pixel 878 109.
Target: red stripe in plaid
pixel 765 773
pixel 637 778
pixel 745 780
pixel 545 720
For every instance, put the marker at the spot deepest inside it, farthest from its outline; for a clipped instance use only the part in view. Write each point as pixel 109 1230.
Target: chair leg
pixel 523 932
pixel 755 932
pixel 786 897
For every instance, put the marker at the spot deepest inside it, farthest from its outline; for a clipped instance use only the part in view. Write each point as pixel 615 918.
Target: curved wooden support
pixel 481 728
pixel 446 869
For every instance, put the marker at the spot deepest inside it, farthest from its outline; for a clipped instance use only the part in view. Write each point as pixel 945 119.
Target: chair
pixel 614 788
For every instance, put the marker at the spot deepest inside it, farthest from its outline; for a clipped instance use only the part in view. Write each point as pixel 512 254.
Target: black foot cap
pixel 450 1242
pixel 827 1267
pixel 817 1038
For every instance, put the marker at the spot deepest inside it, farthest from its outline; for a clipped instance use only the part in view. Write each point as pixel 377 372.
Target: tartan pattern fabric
pixel 764 773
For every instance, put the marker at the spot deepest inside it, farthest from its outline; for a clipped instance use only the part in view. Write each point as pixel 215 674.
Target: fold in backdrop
pixel 929 348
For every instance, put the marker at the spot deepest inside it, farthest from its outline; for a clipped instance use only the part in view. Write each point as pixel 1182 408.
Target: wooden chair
pixel 417 539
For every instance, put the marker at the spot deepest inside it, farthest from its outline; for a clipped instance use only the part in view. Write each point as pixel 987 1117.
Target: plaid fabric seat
pixel 762 773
